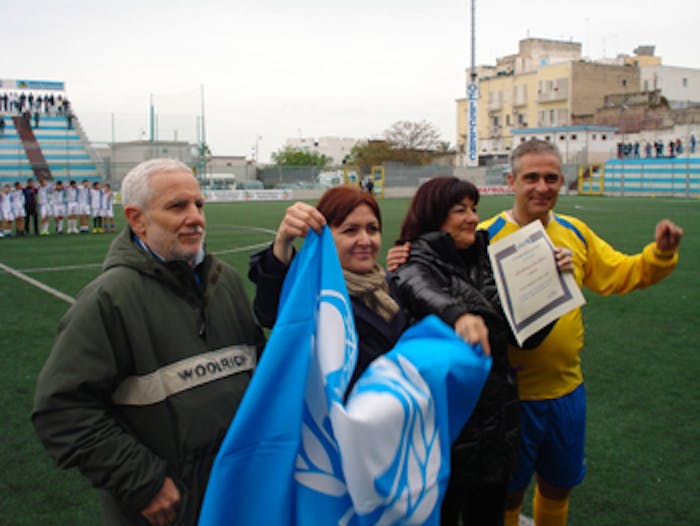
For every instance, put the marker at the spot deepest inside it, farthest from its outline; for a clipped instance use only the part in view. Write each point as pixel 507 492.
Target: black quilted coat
pixel 439 279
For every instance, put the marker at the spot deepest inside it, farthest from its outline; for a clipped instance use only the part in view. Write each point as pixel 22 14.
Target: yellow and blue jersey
pixel 553 369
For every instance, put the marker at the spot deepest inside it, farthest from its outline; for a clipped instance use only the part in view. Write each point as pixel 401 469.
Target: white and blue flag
pixel 297 454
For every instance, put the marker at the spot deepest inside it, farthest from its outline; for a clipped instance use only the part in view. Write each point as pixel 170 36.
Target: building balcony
pixel 495 105
pixel 552 96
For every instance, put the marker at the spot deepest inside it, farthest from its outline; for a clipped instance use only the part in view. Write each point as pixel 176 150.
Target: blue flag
pixel 296 454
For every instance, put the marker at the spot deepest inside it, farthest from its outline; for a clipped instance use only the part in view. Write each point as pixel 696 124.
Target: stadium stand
pixel 57 149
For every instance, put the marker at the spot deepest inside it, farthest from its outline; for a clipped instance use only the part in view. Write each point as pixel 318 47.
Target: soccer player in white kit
pixel 96 207
pixel 17 198
pixel 84 205
pixel 6 216
pixel 58 204
pixel 72 207
pixel 108 208
pixel 42 198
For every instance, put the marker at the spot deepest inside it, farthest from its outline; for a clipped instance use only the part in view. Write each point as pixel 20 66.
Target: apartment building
pixel 545 85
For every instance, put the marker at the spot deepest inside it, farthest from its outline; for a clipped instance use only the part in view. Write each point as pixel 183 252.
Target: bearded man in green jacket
pixel 151 362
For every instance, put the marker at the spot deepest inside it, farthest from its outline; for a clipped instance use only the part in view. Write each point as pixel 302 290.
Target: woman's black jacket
pixel 375 335
pixel 439 279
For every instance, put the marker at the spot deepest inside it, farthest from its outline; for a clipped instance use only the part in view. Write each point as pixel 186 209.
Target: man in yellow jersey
pixel 550 381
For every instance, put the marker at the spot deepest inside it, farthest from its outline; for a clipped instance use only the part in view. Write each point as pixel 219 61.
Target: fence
pixel 670 177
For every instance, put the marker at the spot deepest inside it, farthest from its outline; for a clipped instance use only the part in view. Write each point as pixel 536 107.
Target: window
pixel 573 136
pixel 508 120
pixel 624 82
pixel 562 137
pixel 546 138
pixel 603 137
pixel 685 82
pixel 594 136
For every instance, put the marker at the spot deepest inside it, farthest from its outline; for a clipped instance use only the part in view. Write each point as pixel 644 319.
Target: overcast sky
pixel 273 69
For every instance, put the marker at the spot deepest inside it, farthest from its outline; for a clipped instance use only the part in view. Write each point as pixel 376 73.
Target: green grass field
pixel 641 363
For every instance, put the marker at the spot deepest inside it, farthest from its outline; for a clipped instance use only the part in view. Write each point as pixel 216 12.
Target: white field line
pixel 94 265
pixel 38 284
pixel 23 275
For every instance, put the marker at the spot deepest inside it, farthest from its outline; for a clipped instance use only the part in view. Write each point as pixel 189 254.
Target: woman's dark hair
pixel 338 202
pixel 431 204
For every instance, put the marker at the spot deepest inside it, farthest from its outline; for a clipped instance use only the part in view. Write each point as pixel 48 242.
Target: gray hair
pixel 537 146
pixel 136 189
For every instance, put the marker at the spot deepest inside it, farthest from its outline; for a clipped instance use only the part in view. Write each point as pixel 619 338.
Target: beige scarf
pixel 372 289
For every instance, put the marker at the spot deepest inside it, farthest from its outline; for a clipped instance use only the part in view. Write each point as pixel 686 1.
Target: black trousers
pixel 482 505
pixel 35 218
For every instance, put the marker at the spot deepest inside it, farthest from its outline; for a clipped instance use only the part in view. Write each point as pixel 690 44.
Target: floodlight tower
pixel 473 98
pixel 203 148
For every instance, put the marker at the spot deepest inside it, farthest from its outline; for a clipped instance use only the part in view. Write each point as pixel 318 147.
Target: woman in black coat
pixel 355 221
pixel 448 273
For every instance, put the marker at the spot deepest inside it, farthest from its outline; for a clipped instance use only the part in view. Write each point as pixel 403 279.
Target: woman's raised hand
pixel 297 220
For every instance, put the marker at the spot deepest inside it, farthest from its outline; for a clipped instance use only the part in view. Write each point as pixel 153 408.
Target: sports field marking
pixel 242 249
pixel 68 299
pixel 38 284
pixel 60 269
pixel 97 265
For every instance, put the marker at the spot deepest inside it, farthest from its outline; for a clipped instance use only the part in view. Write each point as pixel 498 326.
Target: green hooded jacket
pixel 144 377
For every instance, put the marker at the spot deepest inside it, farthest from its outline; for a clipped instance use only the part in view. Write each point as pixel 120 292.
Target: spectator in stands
pixel 659 146
pixel 647 149
pixel 69 120
pixel 2 125
pixel 18 208
pixel 693 143
pixel 36 118
pixel 30 207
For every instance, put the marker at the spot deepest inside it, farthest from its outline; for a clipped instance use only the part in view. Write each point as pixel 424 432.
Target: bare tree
pixel 414 136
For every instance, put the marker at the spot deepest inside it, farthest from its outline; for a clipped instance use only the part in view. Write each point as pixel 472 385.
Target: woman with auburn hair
pixel 448 273
pixel 355 221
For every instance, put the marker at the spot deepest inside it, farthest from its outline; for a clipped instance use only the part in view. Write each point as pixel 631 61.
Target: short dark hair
pixel 431 204
pixel 338 202
pixel 532 146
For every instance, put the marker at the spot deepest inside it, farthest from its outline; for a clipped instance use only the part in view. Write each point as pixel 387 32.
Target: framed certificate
pixel 532 290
